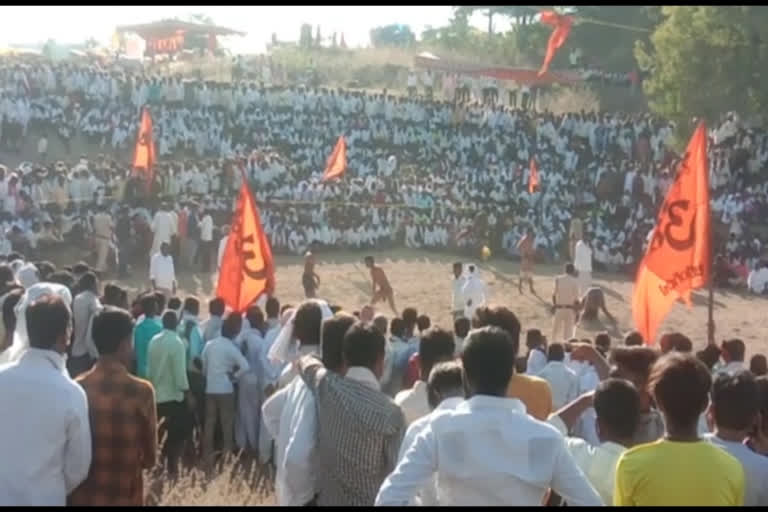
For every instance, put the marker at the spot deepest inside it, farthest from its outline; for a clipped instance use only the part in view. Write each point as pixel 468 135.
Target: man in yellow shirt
pixel 680 469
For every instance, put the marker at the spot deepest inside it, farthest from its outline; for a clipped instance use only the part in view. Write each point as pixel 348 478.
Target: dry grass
pixel 233 484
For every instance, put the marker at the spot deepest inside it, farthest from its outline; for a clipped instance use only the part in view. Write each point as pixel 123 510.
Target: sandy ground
pixel 423 280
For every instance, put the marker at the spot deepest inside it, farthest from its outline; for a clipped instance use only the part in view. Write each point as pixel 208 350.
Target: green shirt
pixel 167 367
pixel 142 335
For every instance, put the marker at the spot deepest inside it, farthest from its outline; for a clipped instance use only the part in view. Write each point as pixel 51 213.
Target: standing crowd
pixel 355 408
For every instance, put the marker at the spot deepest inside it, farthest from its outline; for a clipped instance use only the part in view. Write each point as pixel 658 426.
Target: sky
pixel 74 24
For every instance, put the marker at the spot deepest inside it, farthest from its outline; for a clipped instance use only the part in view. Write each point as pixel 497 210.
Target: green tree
pixel 396 35
pixel 605 33
pixel 318 38
pixel 705 60
pixel 305 37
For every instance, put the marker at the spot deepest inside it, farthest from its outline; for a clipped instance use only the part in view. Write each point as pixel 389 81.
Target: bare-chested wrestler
pixel 591 304
pixel 310 280
pixel 565 300
pixel 526 250
pixel 379 278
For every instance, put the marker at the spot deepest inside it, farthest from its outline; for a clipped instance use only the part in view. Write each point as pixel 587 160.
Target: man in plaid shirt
pixel 122 417
pixel 360 428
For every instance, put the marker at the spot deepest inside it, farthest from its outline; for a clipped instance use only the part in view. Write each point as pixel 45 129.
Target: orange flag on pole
pixel 562 28
pixel 337 162
pixel 533 177
pixel 247 268
pixel 677 260
pixel 144 154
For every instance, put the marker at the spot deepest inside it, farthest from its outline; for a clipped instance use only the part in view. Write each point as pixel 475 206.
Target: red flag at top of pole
pixel 562 27
pixel 144 155
pixel 247 268
pixel 678 258
pixel 533 177
pixel 337 162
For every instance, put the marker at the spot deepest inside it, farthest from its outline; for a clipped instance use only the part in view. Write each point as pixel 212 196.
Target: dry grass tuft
pixel 233 483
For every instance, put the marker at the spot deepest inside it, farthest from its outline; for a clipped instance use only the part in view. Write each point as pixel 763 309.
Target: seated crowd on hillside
pixel 421 173
pixel 354 408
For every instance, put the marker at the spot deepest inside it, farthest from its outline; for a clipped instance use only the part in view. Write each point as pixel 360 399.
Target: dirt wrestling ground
pixel 423 280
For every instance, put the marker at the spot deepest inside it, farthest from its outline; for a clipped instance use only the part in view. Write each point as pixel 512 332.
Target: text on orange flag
pixel 247 268
pixel 677 260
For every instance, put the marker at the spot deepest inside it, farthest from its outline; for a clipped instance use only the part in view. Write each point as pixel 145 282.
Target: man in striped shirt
pixel 360 428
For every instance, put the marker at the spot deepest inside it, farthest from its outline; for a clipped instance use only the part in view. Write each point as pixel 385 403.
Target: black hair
pixel 533 339
pixel 461 327
pixel 192 306
pixel 555 352
pixel 161 301
pixel 88 282
pixel 758 365
pixel 397 327
pixel 170 320
pixel 63 277
pixel 149 305
pixel 255 316
pixel 423 322
pixel 363 346
pixel 48 319
pixel 380 322
pixel 488 360
pixel 410 317
pixel 111 326
pixel 9 313
pixel 307 323
pixel 272 307
pixel 675 341
pixel 436 345
pixel 603 343
pixel 617 405
pixel 334 329
pixel 231 326
pixel 502 318
pixel 217 306
pixel 174 303
pixel 444 379
pixel 679 384
pixel 633 339
pixel 735 400
pixel 735 349
pixel 6 274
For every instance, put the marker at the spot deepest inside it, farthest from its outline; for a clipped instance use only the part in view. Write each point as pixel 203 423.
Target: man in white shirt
pixel 445 390
pixel 222 365
pixel 757 281
pixel 582 261
pixel 45 435
pixel 617 406
pixel 290 416
pixel 565 299
pixel 457 293
pixel 164 228
pixel 436 345
pixel 473 292
pixel 474 449
pixel 733 412
pixel 206 240
pixel 222 246
pixel 563 381
pixel 162 273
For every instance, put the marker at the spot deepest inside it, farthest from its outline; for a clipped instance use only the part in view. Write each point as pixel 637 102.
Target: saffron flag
pixel 144 154
pixel 533 178
pixel 247 268
pixel 677 260
pixel 337 162
pixel 561 25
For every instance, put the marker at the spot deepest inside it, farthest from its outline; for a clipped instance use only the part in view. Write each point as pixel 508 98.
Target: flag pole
pixel 711 298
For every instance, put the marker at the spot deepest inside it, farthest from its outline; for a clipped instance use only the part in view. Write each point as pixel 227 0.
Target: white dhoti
pixel 585 282
pixel 248 412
